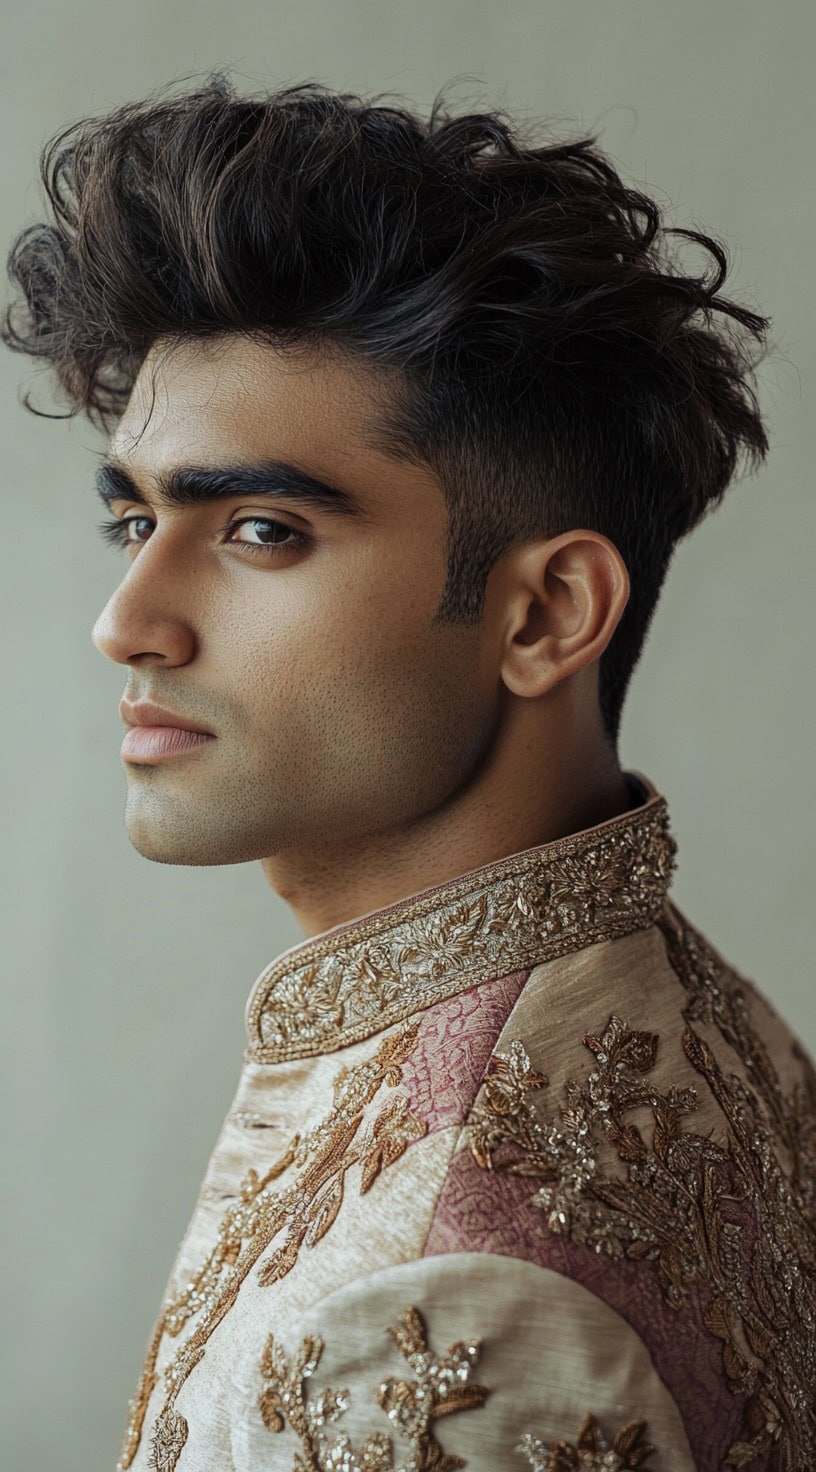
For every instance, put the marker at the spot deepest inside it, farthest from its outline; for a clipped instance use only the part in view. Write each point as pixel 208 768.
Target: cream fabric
pixel 544 1340
pixel 539 1108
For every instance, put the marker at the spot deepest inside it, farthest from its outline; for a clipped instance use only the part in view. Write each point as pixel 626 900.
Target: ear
pixel 563 598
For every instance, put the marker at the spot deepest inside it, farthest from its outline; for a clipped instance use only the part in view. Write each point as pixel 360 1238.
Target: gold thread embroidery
pixel 591 1452
pixel 675 1203
pixel 303 1212
pixel 169 1436
pixel 524 909
pixel 440 1388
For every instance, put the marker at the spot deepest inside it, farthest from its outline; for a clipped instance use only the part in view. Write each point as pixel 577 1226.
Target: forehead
pixel 229 399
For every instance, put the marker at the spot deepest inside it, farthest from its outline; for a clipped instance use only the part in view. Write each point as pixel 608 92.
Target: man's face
pixel 339 709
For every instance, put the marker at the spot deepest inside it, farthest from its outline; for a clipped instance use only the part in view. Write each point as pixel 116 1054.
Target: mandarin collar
pixel 362 976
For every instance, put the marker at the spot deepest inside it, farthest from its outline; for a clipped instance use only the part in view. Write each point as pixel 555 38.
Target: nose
pixel 138 623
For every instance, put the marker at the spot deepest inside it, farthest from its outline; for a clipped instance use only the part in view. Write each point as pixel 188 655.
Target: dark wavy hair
pixel 556 368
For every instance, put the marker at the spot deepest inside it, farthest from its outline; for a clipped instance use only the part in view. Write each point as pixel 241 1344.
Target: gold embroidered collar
pixel 362 976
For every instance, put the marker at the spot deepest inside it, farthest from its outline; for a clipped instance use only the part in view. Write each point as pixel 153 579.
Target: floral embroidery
pixel 300 1214
pixel 681 1200
pixel 169 1436
pixel 591 1452
pixel 440 1387
pixel 522 910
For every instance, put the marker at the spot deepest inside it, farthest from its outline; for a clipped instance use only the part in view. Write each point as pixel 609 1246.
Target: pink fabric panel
pixel 482 1211
pixel 456 1039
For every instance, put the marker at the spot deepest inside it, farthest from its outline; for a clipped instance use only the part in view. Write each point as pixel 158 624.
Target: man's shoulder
pixel 631 1069
pixel 633 1035
pixel 667 979
pixel 646 1126
pixel 722 1003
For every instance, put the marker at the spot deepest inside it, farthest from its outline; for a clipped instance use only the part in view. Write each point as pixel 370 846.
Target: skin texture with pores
pixel 363 752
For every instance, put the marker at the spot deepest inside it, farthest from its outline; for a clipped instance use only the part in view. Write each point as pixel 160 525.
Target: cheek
pixel 358 714
pixel 351 647
pixel 359 618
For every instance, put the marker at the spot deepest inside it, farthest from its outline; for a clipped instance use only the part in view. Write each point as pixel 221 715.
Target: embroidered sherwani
pixel 520 1172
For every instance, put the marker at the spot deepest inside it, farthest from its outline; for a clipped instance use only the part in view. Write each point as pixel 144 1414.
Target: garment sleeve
pixel 470 1360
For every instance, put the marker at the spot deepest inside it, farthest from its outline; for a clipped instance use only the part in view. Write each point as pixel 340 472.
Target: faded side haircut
pixel 555 367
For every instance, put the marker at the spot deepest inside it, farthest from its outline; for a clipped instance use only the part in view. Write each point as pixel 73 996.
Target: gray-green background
pixel 124 982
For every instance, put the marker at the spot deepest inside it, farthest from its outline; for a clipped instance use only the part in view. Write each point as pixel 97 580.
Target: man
pixel 520 1171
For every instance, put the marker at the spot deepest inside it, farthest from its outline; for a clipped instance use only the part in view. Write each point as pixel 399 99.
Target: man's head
pixel 305 635
pixel 477 338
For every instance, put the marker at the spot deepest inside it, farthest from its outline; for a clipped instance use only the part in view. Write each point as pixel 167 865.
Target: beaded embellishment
pixel 440 1385
pixel 591 1451
pixel 523 910
pixel 673 1203
pixel 298 1214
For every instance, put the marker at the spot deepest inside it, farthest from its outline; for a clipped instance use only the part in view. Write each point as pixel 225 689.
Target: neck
pixel 509 806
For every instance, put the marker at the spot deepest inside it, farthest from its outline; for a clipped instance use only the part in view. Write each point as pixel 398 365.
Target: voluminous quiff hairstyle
pixel 557 369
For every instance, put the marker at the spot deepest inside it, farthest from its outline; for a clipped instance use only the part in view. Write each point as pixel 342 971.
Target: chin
pixel 203 853
pixel 169 855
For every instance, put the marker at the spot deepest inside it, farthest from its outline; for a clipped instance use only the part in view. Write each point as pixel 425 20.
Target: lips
pixel 151 743
pixel 146 713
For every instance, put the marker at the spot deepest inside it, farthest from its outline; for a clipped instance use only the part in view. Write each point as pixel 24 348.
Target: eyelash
pixel 115 534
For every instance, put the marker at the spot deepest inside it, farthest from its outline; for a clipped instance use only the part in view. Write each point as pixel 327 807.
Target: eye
pixel 115 533
pixel 290 541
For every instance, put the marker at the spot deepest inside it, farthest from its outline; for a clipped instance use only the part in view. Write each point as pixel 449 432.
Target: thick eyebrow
pixel 194 485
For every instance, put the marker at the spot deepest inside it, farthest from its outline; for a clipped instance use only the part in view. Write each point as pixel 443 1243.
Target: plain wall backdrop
pixel 123 981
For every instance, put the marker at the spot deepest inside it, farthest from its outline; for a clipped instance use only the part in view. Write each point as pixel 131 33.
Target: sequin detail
pixel 166 1445
pixel 591 1452
pixel 300 1214
pixel 440 1387
pixel 737 1216
pixel 524 909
